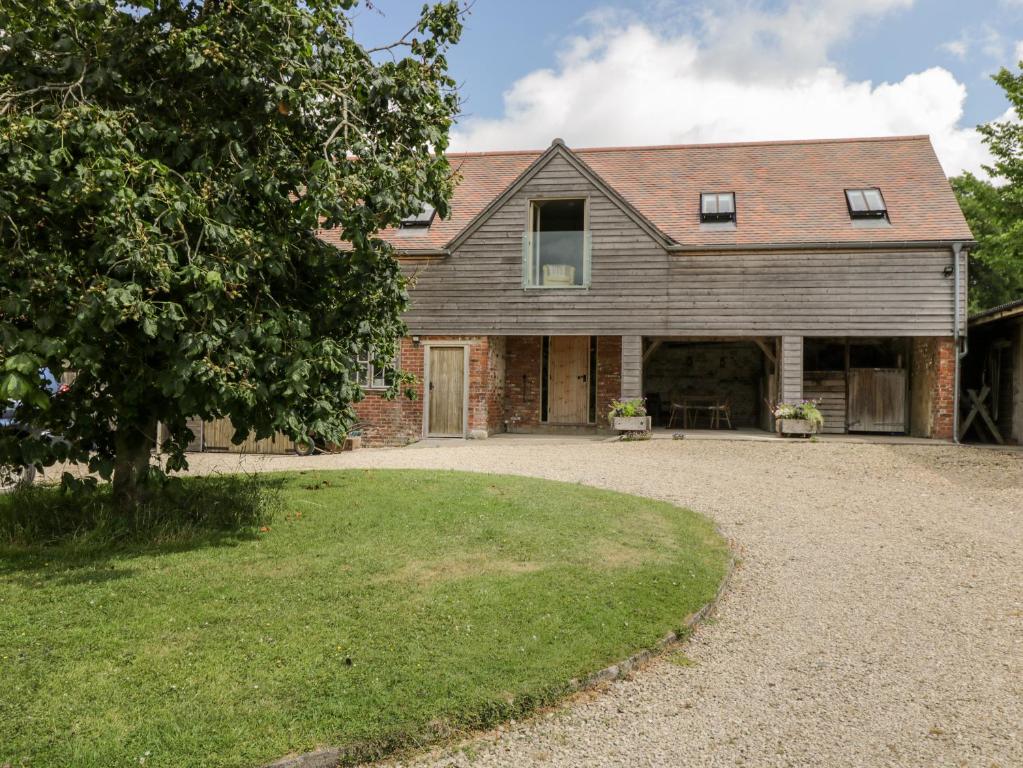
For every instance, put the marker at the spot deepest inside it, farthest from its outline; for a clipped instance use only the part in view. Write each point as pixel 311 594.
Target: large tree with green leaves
pixel 164 168
pixel 995 210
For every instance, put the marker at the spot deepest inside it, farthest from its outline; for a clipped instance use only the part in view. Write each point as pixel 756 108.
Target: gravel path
pixel 876 617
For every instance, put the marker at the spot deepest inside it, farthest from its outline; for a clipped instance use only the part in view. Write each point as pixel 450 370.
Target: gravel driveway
pixel 875 619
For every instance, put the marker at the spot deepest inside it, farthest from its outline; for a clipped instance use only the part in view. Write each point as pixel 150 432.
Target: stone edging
pixel 332 757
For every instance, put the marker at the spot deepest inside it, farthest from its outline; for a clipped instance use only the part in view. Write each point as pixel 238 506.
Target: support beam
pixel 650 352
pixel 790 386
pixel 768 352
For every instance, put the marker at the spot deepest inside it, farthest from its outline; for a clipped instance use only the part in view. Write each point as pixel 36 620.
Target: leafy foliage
pixel 164 168
pixel 627 408
pixel 995 211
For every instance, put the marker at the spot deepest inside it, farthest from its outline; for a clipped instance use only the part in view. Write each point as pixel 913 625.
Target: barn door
pixel 568 380
pixel 446 392
pixel 877 400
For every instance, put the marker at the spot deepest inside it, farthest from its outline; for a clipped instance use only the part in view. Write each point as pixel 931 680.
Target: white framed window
pixel 371 376
pixel 717 207
pixel 556 246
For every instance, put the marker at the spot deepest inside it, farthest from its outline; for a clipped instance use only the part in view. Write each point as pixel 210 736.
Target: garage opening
pixel 712 383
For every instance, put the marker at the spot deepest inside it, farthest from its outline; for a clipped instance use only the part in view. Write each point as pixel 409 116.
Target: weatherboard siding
pixel 638 288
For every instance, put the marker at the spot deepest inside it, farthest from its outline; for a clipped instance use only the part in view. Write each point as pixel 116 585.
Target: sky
pixel 634 72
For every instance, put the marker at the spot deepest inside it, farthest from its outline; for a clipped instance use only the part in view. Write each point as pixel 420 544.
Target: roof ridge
pixel 705 145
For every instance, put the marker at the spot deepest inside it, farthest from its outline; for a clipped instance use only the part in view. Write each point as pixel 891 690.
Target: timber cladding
pixel 638 287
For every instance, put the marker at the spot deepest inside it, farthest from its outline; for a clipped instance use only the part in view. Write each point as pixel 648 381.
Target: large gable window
pixel 556 250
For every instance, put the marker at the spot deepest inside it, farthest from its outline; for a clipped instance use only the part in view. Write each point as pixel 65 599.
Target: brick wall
pixel 398 421
pixel 504 388
pixel 609 375
pixel 522 382
pixel 932 387
pixel 495 384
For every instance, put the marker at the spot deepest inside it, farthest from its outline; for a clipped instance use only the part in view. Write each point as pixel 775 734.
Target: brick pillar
pixel 932 387
pixel 609 375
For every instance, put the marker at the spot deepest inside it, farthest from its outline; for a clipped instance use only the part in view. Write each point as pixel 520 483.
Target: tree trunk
pixel 133 447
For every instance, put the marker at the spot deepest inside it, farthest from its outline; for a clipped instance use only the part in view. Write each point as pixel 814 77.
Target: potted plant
pixel 629 416
pixel 802 418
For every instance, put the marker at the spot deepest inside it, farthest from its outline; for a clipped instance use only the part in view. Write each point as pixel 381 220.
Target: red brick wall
pixel 496 368
pixel 398 421
pixel 932 387
pixel 609 375
pixel 504 388
pixel 522 382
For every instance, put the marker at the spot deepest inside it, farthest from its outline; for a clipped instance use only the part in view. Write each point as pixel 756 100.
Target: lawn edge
pixel 356 754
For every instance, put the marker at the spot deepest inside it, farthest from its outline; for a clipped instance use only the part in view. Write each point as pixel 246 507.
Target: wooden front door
pixel 877 400
pixel 568 370
pixel 447 392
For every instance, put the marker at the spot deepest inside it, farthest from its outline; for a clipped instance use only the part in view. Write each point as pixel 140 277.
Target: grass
pixel 380 609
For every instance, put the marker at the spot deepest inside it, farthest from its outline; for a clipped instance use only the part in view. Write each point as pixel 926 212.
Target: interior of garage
pixel 730 373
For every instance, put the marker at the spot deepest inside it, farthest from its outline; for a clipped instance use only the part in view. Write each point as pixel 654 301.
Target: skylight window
pixel 717 207
pixel 419 220
pixel 866 203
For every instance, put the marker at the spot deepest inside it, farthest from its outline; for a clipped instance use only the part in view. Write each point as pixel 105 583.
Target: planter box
pixel 631 423
pixel 352 443
pixel 800 427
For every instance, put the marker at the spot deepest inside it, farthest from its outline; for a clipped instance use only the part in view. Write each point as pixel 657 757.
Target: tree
pixel 164 168
pixel 995 211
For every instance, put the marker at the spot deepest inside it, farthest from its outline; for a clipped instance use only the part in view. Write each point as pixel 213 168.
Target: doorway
pixel 445 391
pixel 569 379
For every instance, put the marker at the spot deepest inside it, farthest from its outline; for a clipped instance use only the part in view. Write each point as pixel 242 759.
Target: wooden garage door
pixel 447 392
pixel 568 388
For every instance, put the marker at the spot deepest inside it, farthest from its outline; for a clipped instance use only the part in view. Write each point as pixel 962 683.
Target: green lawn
pixel 380 607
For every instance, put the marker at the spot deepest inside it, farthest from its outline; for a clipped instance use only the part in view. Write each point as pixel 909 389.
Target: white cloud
pixel 749 75
pixel 958 48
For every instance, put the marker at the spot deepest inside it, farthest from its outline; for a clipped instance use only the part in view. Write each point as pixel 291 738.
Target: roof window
pixel 716 207
pixel 866 203
pixel 419 220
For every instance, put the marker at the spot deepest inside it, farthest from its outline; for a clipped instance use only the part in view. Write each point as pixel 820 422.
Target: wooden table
pixel 710 403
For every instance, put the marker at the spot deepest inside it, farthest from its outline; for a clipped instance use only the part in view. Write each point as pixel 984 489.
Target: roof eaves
pixel 829 245
pixel 1009 309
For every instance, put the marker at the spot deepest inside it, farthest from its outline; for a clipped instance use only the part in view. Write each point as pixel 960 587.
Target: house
pixel 993 376
pixel 747 273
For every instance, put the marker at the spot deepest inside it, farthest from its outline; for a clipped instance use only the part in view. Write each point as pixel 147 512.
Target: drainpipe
pixel 957 249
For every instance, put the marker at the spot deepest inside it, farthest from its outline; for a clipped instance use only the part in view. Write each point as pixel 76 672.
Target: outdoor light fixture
pixel 948 271
pixel 415 341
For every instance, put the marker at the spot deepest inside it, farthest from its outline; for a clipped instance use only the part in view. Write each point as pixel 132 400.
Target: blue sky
pixel 665 71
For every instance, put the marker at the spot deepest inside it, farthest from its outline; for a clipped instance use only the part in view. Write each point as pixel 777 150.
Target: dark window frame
pixel 719 217
pixel 421 220
pixel 867 213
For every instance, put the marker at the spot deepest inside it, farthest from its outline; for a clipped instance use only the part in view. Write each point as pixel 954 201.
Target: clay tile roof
pixel 785 191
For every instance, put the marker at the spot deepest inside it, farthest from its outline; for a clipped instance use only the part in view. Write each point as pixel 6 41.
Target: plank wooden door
pixel 568 389
pixel 447 392
pixel 877 400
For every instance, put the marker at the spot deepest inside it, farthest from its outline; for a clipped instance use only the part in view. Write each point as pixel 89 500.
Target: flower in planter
pixel 627 408
pixel 804 410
